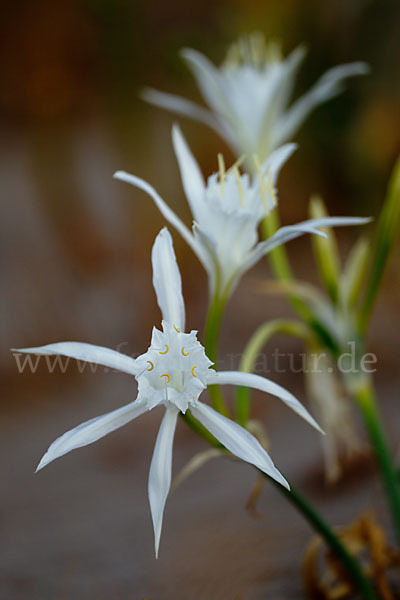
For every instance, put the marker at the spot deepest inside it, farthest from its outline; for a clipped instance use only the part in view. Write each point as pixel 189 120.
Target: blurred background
pixel 75 249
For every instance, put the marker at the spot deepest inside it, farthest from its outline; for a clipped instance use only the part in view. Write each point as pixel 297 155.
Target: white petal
pixel 237 440
pixel 181 106
pixel 210 261
pixel 192 179
pixel 326 87
pixel 290 67
pixel 264 385
pixel 167 280
pixel 277 159
pixel 88 353
pixel 334 222
pixel 160 471
pixel 208 79
pixel 92 430
pixel 164 210
pixel 290 232
pixel 283 235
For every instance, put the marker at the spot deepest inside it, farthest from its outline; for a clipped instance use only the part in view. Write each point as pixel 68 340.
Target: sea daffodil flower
pixel 227 211
pixel 249 94
pixel 173 372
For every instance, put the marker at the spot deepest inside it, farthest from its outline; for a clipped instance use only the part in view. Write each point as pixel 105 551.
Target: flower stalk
pixel 366 401
pixel 258 340
pixel 211 337
pixel 278 258
pixel 318 523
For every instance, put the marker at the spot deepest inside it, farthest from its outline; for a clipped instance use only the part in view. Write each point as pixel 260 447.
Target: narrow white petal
pixel 210 260
pixel 164 210
pixel 264 385
pixel 181 106
pixel 287 233
pixel 192 179
pixel 331 81
pixel 88 353
pixel 326 87
pixel 167 280
pixel 208 79
pixel 277 159
pixel 334 222
pixel 283 235
pixel 160 471
pixel 237 440
pixel 92 430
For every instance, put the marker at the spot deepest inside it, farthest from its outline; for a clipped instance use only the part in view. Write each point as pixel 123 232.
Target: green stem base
pixel 352 566
pixel 366 401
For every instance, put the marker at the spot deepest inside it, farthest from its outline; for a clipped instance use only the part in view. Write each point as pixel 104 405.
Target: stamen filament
pixel 236 164
pixel 221 167
pixel 239 184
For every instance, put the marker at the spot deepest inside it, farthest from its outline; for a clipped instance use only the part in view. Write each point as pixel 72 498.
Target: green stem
pixel 314 519
pixel 366 401
pixel 277 257
pixel 253 349
pixel 319 524
pixel 211 336
pixel 199 429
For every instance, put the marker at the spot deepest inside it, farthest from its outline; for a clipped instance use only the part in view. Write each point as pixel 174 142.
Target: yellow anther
pixel 261 183
pixel 167 376
pixel 151 365
pixel 193 368
pixel 221 168
pixel 183 351
pixel 176 329
pixel 166 349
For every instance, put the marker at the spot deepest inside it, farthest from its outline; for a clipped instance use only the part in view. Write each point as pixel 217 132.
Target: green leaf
pixel 325 251
pixel 354 272
pixel 386 234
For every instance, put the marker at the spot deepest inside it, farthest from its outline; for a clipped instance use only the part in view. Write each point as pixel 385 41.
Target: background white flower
pixel 227 211
pixel 173 373
pixel 249 95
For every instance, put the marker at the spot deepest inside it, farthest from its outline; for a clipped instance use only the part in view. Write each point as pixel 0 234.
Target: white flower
pixel 227 211
pixel 173 373
pixel 249 95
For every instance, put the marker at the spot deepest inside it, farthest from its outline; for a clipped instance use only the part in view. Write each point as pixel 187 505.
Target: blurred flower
pixel 249 94
pixel 334 412
pixel 227 211
pixel 173 372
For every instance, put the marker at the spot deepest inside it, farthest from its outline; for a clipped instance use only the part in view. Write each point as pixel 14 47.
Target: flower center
pixel 174 368
pixel 234 191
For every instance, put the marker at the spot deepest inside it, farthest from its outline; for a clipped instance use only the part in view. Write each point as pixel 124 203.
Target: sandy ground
pixel 81 528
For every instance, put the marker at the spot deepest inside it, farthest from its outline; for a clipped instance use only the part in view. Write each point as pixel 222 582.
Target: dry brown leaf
pixel 326 579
